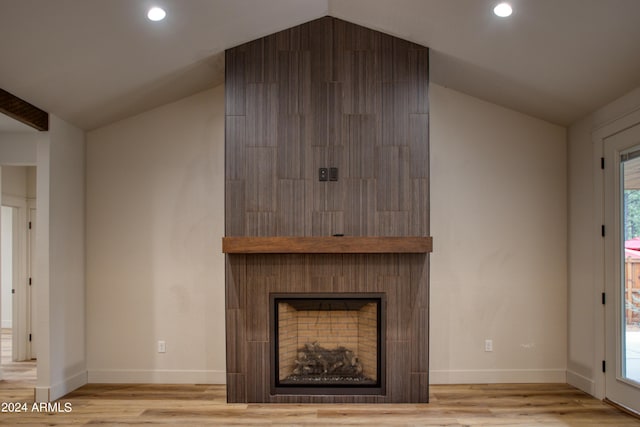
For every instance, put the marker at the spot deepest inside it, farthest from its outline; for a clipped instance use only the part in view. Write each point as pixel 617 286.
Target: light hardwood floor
pixel 459 405
pixel 450 405
pixel 17 372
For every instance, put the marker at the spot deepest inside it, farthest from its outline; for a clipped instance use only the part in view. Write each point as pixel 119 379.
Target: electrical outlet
pixel 333 174
pixel 162 347
pixel 488 345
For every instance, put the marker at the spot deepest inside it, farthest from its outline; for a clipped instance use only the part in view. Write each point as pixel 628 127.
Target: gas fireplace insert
pixel 327 343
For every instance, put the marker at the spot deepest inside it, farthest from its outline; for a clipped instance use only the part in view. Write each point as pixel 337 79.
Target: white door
pixel 8 277
pixel 11 275
pixel 622 268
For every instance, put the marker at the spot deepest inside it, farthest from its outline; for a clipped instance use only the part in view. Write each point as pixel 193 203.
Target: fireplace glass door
pixel 327 344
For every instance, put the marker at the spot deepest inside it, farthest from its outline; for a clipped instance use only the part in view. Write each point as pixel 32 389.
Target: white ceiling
pixel 92 62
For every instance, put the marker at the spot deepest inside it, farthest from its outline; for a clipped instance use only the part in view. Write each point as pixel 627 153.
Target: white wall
pixel 498 220
pixel 59 279
pixel 19 148
pixel 586 314
pixel 155 220
pixel 32 177
pixel 155 217
pixel 14 181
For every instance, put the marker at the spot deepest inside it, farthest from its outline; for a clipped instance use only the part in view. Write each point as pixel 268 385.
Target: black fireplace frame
pixel 379 388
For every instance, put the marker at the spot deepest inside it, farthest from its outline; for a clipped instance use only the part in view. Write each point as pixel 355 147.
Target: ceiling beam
pixel 22 111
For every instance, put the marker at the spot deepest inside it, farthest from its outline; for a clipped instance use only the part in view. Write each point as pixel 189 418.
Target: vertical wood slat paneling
pixel 361 140
pixel 321 44
pixel 392 223
pixel 235 83
pixel 236 388
pixel 260 184
pixel 392 176
pixel 401 70
pixel 291 273
pixel 394 114
pixel 360 216
pixel 294 82
pixel 234 195
pixel 235 130
pixel 361 82
pixel 327 94
pixel 419 387
pixel 262 114
pixel 419 69
pixel 418 133
pixel 236 341
pixel 260 224
pixel 235 272
pixel 327 223
pixel 419 347
pixel 255 61
pixel 257 308
pixel 292 134
pixel 257 383
pixel 336 191
pixel 328 83
pixel 396 276
pixel 419 219
pixel 398 384
pixel 326 113
pixel 290 219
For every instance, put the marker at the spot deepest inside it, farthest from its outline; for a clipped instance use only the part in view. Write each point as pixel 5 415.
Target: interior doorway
pixel 10 269
pixel 18 199
pixel 7 284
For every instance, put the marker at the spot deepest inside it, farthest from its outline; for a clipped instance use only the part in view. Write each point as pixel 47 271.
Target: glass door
pixel 622 268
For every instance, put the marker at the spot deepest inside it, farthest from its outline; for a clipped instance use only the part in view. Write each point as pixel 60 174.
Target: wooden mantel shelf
pixel 325 245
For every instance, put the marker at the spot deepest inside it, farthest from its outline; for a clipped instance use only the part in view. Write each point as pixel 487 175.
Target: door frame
pixel 20 334
pixel 618 388
pixel 30 251
pixel 598 137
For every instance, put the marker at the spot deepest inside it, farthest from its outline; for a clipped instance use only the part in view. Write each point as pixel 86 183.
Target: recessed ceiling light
pixel 156 14
pixel 503 10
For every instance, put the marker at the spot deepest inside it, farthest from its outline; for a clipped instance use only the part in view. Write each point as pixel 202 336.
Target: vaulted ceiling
pixel 93 62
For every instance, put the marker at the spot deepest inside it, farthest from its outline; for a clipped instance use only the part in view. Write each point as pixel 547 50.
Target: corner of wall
pixel 581 382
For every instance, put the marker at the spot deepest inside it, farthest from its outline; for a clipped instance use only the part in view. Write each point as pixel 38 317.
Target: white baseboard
pixel 7 324
pixel 135 376
pixel 56 391
pixel 581 382
pixel 490 376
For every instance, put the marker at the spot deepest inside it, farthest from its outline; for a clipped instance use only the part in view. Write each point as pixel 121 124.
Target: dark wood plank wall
pixel 327 93
pixel 401 277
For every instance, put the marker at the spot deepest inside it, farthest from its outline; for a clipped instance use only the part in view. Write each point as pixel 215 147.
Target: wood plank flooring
pixel 23 373
pixel 201 405
pixel 451 405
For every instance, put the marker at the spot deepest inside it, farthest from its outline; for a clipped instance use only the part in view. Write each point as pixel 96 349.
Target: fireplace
pixel 327 94
pixel 327 344
pixel 327 289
